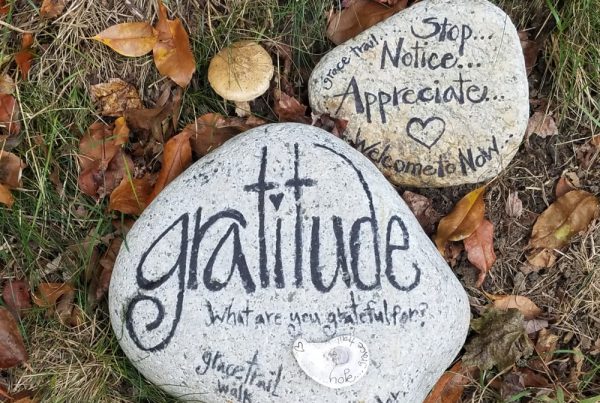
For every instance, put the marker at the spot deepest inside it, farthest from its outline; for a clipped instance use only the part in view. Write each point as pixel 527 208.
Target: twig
pixel 7 25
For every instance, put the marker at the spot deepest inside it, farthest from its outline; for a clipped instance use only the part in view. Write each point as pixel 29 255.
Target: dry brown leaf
pixel 5 196
pixel 566 217
pixel 97 144
pixel 129 39
pixel 131 195
pixel 12 349
pixel 52 8
pixel 172 53
pixel 177 157
pixel 151 119
pixel 541 124
pixel 24 57
pixel 535 325
pixel 567 182
pixel 518 380
pixel 114 97
pixel 289 109
pixel 514 205
pixel 546 344
pixel 11 168
pixel 107 262
pixel 462 221
pixel 48 293
pixel 335 126
pixel 212 129
pixel 480 249
pixel 422 208
pixel 541 257
pixel 9 114
pixel 530 50
pixel 121 131
pixel 16 296
pixel 449 388
pixel 7 85
pixel 360 15
pixel 527 307
pixel 453 252
pixel 4 8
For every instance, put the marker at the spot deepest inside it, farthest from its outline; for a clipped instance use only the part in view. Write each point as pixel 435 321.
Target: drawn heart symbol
pixel 276 200
pixel 299 347
pixel 426 132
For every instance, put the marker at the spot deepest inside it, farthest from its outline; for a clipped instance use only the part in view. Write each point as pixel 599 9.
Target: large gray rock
pixel 435 95
pixel 285 232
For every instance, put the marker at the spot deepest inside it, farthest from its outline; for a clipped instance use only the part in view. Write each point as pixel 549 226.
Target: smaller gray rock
pixel 436 95
pixel 282 244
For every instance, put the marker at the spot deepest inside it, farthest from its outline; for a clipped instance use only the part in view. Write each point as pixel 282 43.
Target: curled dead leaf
pixel 422 208
pixel 480 249
pixel 514 205
pixel 121 131
pixel 48 293
pixel 541 124
pixel 211 130
pixel 177 157
pixel 16 296
pixel 12 349
pixel 462 221
pixel 11 168
pixel 530 50
pixel 9 115
pixel 52 8
pixel 541 257
pixel 24 57
pixel 5 196
pixel 566 217
pixel 567 182
pixel 449 388
pixel 172 52
pixel 114 97
pixel 129 39
pixel 289 109
pixel 359 16
pixel 527 307
pixel 546 344
pixel 131 195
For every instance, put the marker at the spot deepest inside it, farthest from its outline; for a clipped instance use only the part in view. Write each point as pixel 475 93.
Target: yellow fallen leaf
pixel 527 307
pixel 129 39
pixel 571 214
pixel 462 221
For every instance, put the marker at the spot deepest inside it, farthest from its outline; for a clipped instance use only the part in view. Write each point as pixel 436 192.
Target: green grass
pixel 49 222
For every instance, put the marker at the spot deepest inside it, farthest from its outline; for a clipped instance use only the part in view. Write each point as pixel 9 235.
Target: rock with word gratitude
pixel 258 268
pixel 436 95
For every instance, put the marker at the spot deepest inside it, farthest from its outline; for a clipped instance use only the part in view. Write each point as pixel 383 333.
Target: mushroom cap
pixel 241 72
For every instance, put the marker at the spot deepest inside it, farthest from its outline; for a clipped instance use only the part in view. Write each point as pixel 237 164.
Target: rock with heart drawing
pixel 435 95
pixel 257 276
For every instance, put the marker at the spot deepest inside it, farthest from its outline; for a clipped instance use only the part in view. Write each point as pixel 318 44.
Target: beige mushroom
pixel 241 73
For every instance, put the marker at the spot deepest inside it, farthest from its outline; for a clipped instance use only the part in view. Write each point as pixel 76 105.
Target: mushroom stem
pixel 242 109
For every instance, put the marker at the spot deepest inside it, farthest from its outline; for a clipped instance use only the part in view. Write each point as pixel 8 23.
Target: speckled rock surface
pixel 436 95
pixel 284 232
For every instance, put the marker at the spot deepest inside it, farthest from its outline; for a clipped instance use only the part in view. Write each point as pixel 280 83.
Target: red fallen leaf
pixel 480 249
pixel 24 57
pixel 12 349
pixel 131 195
pixel 176 158
pixel 52 8
pixel 289 109
pixel 212 129
pixel 16 296
pixel 4 8
pixel 449 388
pixel 9 114
pixel 360 15
pixel 48 293
pixel 172 52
